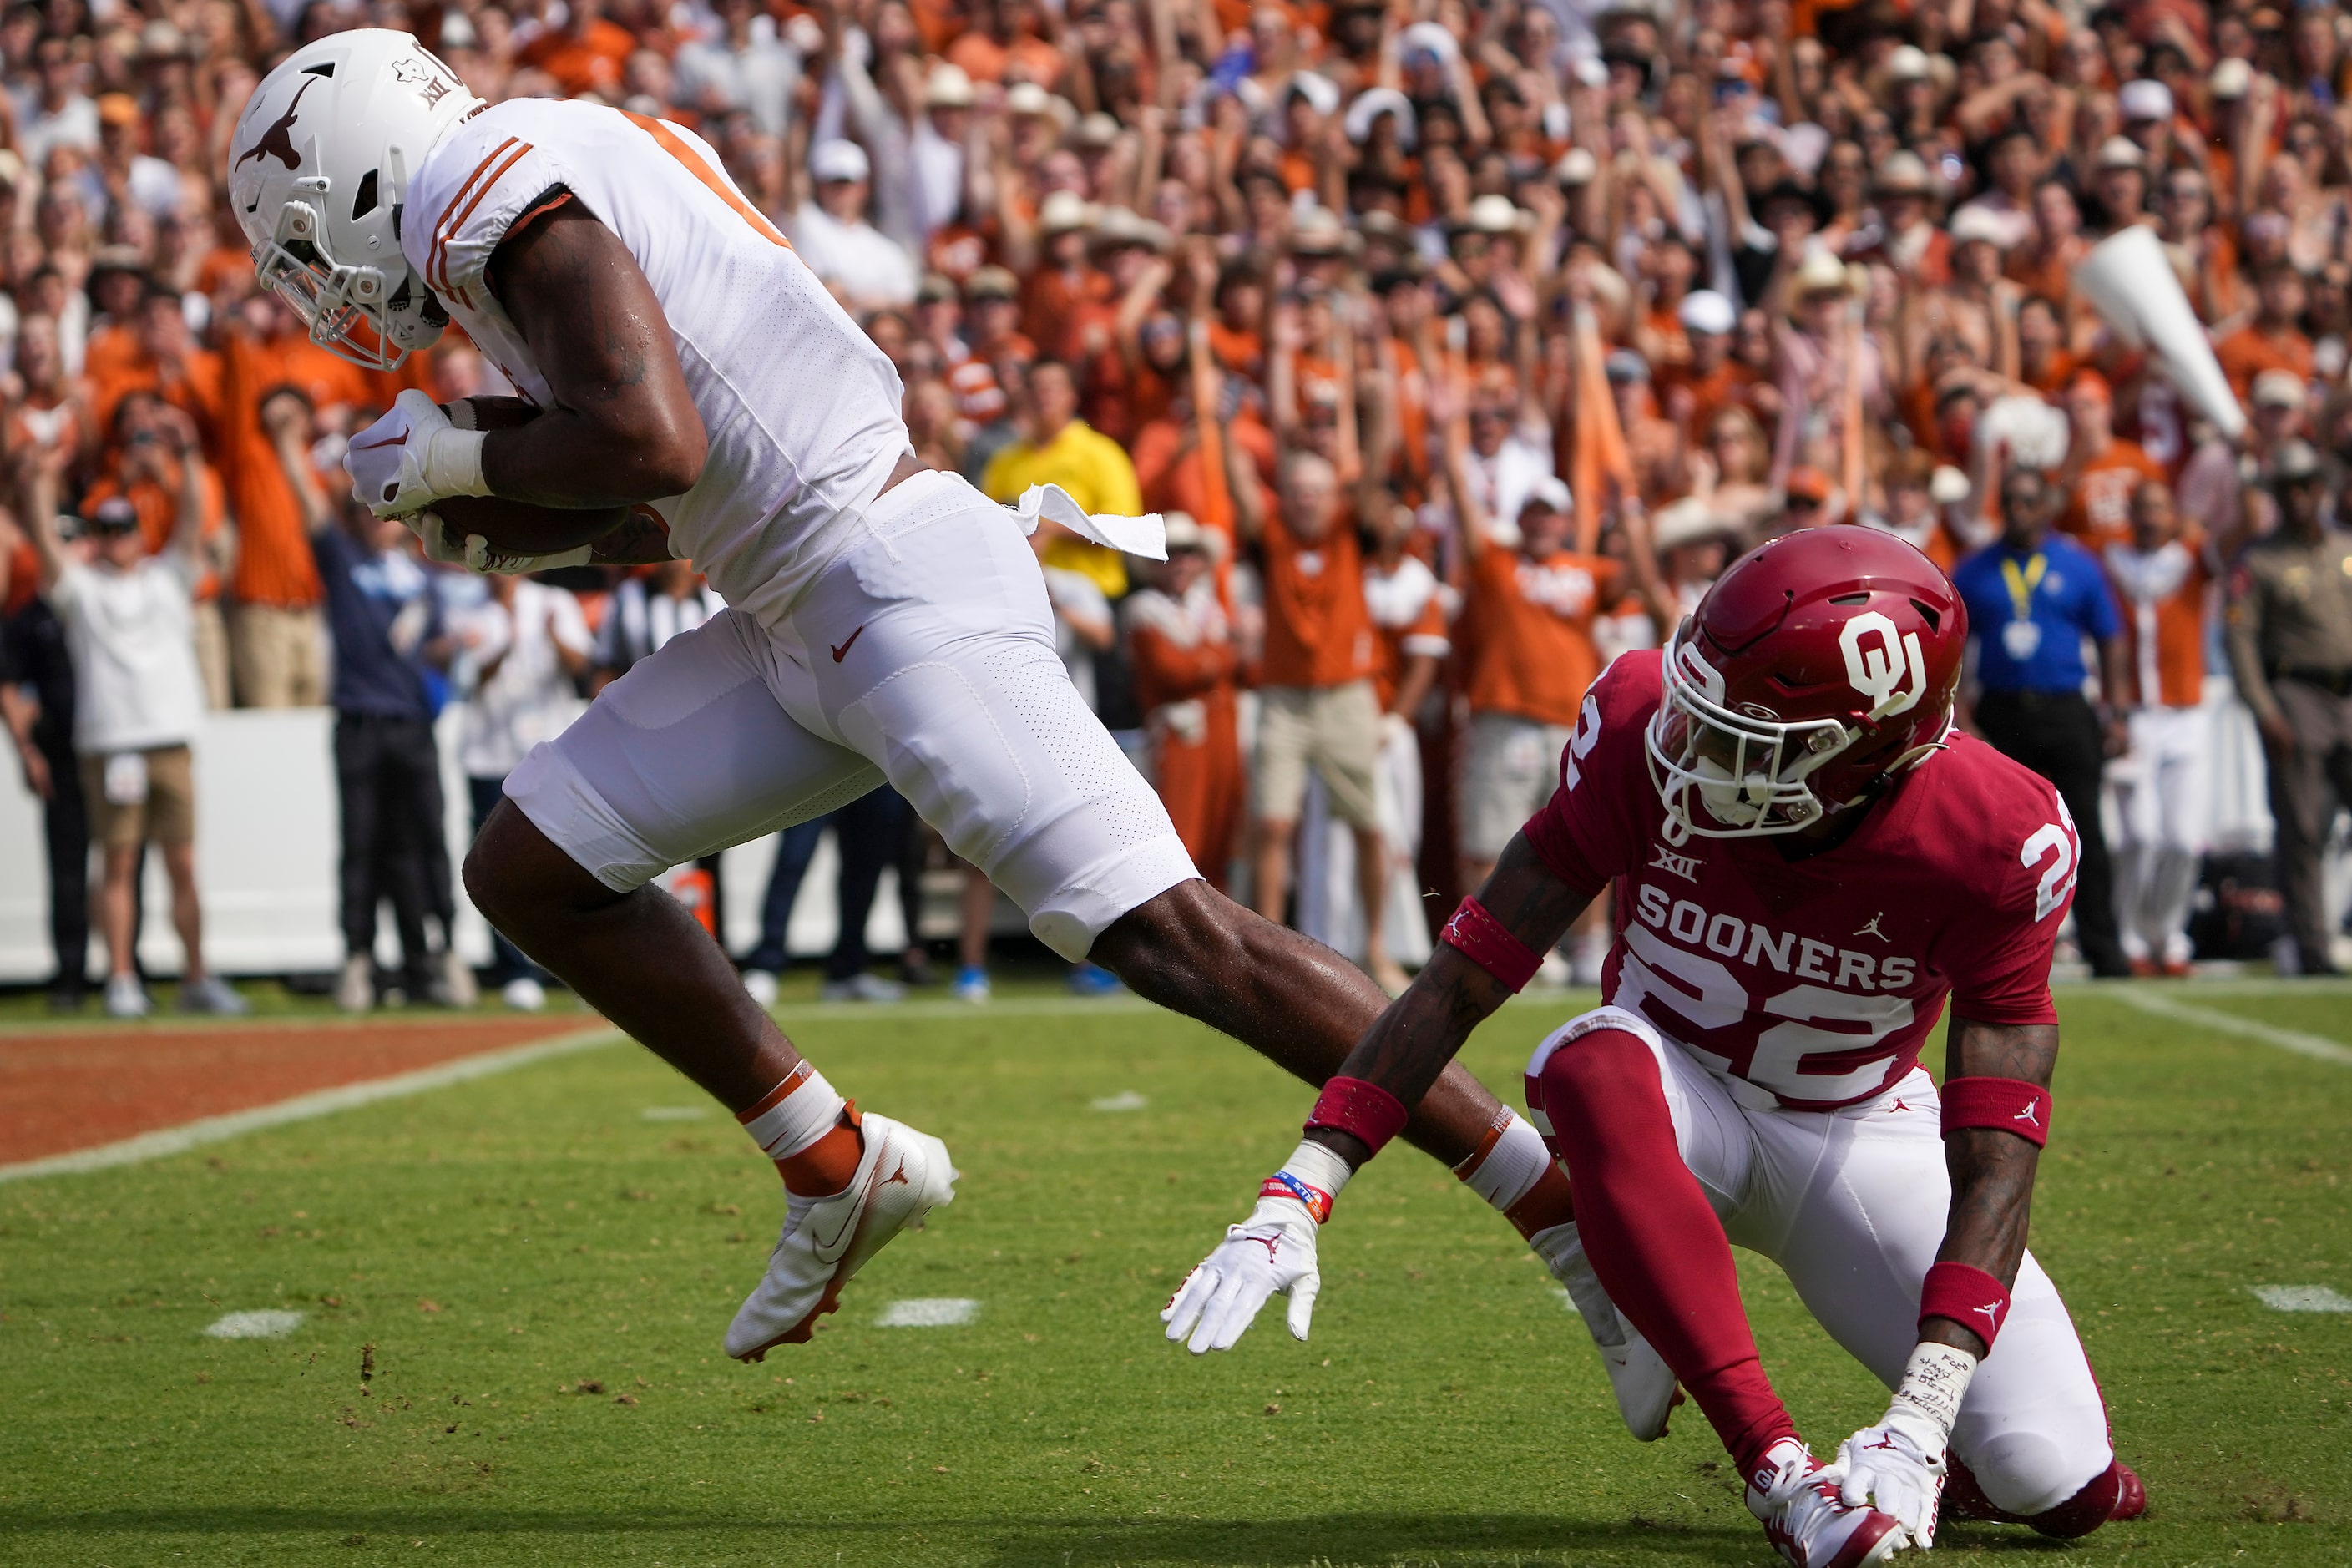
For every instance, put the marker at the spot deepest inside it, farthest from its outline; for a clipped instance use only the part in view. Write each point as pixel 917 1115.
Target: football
pixel 514 525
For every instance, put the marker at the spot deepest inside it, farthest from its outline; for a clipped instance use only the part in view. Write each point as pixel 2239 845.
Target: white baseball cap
pixel 838 160
pixel 2144 99
pixel 1707 312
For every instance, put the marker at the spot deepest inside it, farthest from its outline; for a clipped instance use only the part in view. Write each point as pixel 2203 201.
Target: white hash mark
pixel 264 1323
pixel 929 1312
pixel 2302 1297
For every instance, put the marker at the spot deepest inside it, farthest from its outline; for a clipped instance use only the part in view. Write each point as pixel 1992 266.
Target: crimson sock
pixel 1652 1240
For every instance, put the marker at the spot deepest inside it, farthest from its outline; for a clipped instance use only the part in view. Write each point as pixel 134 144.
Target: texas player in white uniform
pixel 1807 861
pixel 884 622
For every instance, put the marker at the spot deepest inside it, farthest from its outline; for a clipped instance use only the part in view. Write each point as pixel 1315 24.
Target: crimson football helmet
pixel 1818 668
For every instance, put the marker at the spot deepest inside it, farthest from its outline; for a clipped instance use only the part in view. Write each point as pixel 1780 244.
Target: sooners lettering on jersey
pixel 1818 978
pixel 800 408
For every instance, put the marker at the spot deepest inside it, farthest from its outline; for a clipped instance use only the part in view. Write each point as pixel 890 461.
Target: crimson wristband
pixel 2009 1104
pixel 1361 1108
pixel 1968 1296
pixel 1486 942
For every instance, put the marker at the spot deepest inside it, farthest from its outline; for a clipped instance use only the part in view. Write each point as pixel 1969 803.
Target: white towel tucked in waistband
pixel 1135 535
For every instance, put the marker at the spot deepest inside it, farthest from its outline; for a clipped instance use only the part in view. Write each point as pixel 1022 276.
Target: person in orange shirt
pixel 2102 468
pixel 585 55
pixel 1179 644
pixel 1531 604
pixel 1002 38
pixel 2271 341
pixel 1318 709
pixel 277 638
pixel 142 473
pixel 161 359
pixel 2161 573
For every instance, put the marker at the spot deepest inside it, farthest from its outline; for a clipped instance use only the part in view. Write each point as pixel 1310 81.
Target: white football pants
pixel 1851 1204
pixel 923 655
pixel 2163 795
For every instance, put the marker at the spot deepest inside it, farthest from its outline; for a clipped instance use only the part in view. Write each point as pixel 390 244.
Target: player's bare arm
pixel 1378 1090
pixel 1423 1030
pixel 623 427
pixel 1992 1170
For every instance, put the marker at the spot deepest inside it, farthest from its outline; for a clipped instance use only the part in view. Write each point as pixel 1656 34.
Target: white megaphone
pixel 2129 281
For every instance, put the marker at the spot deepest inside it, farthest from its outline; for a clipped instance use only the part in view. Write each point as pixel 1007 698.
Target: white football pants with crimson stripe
pixel 923 654
pixel 1852 1205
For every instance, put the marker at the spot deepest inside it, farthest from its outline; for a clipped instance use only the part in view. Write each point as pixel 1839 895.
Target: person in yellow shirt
pixel 1062 449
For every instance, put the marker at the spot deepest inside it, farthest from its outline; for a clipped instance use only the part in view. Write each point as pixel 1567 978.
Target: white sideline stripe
pixel 929 1312
pixel 304 1108
pixel 2302 1297
pixel 264 1323
pixel 1125 1099
pixel 675 1112
pixel 2301 1044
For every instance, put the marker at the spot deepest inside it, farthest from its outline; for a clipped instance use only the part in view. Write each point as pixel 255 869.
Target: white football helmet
pixel 319 169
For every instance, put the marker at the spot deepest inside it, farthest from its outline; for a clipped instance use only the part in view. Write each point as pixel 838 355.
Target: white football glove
pixel 413 457
pixel 1890 1467
pixel 1271 1253
pixel 1898 1464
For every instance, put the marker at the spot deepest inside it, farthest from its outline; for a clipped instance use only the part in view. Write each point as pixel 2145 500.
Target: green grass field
pixel 515 1291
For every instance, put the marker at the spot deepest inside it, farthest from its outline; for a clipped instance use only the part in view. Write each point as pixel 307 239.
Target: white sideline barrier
pixel 267 837
pixel 268 832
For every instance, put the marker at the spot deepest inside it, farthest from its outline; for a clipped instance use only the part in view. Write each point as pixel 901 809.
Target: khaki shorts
pixel 279 655
pixel 1514 768
pixel 168 815
pixel 1336 730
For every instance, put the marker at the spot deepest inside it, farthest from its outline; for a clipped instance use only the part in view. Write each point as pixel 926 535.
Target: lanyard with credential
pixel 2022 584
pixel 2020 637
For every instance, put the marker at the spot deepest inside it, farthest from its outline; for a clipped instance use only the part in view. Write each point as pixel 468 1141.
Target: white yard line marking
pixel 2301 1044
pixel 266 1324
pixel 1125 1099
pixel 675 1112
pixel 304 1108
pixel 2302 1297
pixel 929 1312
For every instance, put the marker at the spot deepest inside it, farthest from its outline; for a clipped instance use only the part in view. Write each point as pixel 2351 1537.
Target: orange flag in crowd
pixel 1598 453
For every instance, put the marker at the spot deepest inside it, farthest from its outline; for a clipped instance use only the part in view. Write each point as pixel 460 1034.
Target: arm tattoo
pixel 1991 1171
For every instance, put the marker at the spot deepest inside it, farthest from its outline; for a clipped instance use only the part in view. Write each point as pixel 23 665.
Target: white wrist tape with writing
pixel 1934 1383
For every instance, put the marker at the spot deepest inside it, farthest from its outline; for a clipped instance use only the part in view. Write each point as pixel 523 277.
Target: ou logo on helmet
pixel 1881 669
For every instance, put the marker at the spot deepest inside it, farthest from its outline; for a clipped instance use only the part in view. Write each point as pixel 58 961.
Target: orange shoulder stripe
pixel 670 143
pixel 440 225
pixel 450 228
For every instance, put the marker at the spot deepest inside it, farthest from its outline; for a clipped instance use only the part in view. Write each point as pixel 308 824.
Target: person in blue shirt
pixel 386 625
pixel 2033 598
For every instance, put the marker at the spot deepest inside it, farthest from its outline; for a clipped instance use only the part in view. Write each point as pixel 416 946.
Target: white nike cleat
pixel 1806 1522
pixel 902 1176
pixel 1645 1385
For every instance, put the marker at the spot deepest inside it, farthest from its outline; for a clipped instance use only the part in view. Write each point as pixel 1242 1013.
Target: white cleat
pixel 902 1176
pixel 1645 1385
pixel 1806 1522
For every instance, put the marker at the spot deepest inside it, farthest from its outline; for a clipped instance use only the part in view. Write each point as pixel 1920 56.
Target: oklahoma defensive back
pixel 1808 861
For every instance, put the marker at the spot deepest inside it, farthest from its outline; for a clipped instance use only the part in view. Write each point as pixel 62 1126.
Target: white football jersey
pixel 802 409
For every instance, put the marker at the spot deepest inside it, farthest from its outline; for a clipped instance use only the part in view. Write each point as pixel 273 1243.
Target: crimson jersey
pixel 1817 979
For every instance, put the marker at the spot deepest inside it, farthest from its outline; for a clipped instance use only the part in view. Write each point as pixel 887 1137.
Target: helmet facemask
pixel 358 313
pixel 1751 771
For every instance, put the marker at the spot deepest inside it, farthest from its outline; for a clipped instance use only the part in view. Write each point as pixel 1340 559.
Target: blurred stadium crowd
pixel 1462 345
